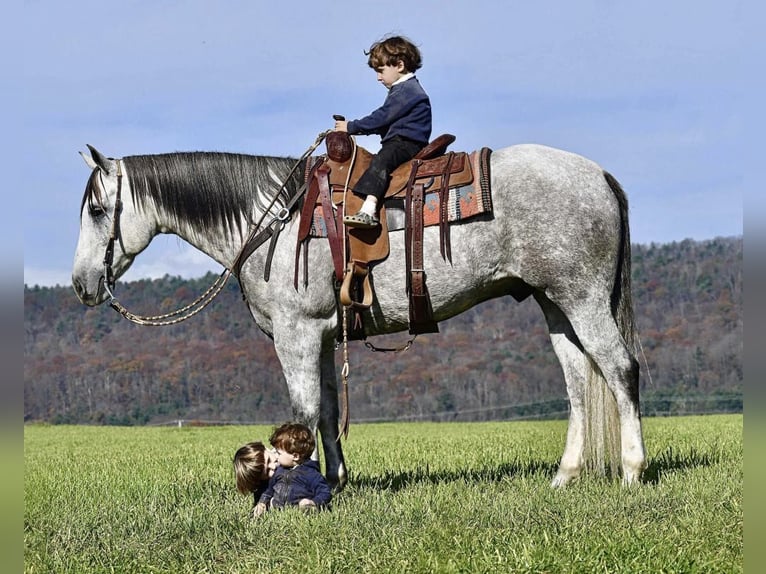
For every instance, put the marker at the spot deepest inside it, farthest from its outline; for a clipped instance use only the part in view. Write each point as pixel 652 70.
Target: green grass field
pixel 423 497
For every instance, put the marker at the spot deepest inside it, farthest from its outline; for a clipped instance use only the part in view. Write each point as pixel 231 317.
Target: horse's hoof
pixel 563 478
pixel 632 471
pixel 338 483
pixel 631 478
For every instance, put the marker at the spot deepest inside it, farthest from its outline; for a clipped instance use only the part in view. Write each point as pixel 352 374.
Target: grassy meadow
pixel 423 497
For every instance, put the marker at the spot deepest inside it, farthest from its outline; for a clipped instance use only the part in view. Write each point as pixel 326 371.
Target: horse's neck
pixel 222 245
pixel 219 228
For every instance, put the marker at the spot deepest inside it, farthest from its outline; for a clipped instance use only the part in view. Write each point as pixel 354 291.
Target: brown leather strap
pixel 257 238
pixel 444 237
pixel 416 272
pixel 408 222
pixel 308 203
pixel 331 221
pixel 306 264
pixel 421 314
pixel 270 253
pixel 307 216
pixel 252 243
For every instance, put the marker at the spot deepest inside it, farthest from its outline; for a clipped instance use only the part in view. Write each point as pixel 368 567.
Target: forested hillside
pixel 495 361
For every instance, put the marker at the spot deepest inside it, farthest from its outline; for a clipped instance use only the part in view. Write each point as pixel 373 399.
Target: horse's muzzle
pixel 86 298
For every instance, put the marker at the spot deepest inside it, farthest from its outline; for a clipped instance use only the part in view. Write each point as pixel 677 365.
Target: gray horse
pixel 559 232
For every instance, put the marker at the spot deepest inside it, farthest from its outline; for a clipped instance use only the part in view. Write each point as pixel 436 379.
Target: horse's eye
pixel 96 211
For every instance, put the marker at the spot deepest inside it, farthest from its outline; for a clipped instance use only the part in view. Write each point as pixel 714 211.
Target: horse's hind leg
pixel 575 366
pixel 599 336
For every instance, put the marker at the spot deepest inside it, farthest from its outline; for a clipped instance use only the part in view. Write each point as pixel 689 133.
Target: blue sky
pixel 652 91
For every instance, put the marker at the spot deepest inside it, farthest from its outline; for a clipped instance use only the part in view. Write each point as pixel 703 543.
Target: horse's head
pixel 110 236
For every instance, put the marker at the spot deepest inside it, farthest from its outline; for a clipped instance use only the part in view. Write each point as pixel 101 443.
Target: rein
pixel 253 241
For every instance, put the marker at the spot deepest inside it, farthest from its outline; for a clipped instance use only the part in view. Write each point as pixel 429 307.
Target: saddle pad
pixel 463 203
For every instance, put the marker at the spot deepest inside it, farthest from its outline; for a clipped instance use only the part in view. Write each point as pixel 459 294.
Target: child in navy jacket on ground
pixel 403 123
pixel 297 481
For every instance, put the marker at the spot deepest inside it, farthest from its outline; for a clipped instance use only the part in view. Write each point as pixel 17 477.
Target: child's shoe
pixel 361 220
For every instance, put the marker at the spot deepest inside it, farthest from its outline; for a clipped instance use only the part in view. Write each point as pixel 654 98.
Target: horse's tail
pixel 602 418
pixel 622 301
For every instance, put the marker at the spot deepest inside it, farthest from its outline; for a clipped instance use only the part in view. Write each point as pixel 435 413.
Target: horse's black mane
pixel 209 190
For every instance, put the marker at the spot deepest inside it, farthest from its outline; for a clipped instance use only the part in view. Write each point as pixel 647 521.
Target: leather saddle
pixel 331 181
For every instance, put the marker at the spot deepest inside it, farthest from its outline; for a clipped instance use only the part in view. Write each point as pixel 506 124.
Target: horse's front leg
pixel 305 350
pixel 335 468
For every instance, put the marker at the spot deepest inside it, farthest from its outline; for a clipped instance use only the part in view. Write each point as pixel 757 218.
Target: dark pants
pixel 392 154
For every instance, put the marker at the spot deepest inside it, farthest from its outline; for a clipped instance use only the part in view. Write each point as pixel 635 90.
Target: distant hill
pixel 495 361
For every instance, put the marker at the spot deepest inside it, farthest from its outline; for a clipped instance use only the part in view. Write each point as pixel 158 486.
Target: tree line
pixel 495 361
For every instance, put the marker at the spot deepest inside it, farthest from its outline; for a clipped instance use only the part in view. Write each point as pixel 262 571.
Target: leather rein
pixel 254 240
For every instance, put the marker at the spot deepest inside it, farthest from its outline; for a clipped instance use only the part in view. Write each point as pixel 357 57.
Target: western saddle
pixel 331 178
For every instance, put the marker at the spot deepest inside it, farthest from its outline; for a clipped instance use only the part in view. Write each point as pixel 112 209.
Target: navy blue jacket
pixel 289 486
pixel 406 112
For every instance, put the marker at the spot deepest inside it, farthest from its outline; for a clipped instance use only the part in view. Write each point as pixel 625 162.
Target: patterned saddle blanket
pixel 464 202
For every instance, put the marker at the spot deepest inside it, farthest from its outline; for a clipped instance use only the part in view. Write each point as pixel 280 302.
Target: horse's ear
pixel 99 160
pixel 88 160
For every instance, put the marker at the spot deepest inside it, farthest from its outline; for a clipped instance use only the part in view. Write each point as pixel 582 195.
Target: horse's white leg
pixel 574 365
pixel 305 351
pixel 298 346
pixel 601 339
pixel 335 468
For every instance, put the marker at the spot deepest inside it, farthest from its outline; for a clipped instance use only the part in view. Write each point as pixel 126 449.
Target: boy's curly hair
pixel 390 51
pixel 294 438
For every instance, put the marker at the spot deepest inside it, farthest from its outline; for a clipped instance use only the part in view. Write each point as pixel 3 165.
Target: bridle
pixel 257 236
pixel 114 235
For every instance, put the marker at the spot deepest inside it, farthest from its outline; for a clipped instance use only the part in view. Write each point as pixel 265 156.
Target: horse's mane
pixel 210 190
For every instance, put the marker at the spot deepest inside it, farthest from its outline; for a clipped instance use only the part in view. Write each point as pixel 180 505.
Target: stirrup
pixel 361 272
